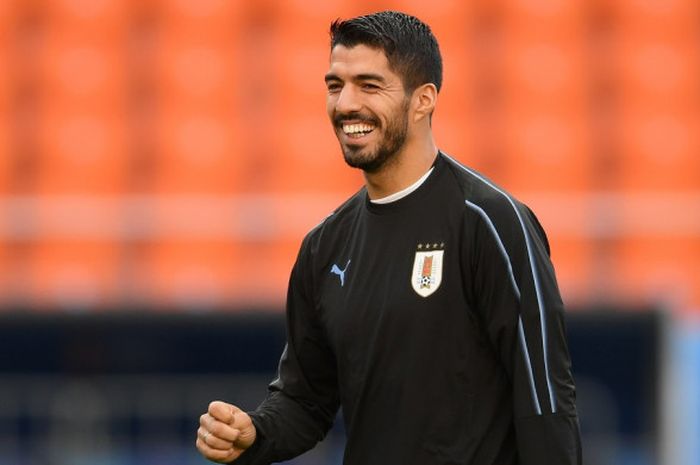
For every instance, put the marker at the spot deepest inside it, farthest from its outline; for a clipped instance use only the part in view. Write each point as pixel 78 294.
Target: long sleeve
pixel 518 300
pixel 303 400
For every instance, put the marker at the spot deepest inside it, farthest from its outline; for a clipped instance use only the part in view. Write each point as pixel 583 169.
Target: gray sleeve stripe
pixel 499 242
pixel 535 278
pixel 521 331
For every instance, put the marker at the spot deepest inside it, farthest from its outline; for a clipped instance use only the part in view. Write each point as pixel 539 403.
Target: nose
pixel 347 101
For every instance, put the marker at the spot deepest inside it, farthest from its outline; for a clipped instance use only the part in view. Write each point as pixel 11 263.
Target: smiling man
pixel 426 305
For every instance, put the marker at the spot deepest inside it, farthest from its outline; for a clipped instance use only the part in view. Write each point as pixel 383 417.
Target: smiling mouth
pixel 358 130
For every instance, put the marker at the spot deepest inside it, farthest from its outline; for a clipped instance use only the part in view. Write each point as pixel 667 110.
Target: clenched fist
pixel 224 433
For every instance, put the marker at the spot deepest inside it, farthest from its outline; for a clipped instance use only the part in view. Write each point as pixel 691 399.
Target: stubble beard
pixel 387 147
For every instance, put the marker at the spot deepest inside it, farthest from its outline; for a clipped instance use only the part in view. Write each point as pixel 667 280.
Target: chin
pixel 358 162
pixel 367 164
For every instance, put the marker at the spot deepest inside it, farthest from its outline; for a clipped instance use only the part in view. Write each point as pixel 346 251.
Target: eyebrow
pixel 370 77
pixel 331 77
pixel 360 77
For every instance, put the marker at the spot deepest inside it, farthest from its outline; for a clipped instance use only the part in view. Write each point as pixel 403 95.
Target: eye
pixel 333 87
pixel 369 87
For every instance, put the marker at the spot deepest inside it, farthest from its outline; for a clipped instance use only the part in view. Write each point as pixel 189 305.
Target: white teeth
pixel 356 128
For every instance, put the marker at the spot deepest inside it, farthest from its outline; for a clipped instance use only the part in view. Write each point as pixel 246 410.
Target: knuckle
pixel 240 418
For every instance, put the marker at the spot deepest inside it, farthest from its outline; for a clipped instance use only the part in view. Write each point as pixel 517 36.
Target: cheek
pixel 330 107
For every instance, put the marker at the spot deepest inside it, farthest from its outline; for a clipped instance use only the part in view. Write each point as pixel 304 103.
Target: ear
pixel 424 101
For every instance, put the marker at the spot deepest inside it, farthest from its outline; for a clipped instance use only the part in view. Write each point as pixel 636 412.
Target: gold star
pixel 420 246
pixel 435 245
pixel 442 244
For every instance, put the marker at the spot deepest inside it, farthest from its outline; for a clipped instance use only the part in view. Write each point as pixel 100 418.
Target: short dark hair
pixel 408 43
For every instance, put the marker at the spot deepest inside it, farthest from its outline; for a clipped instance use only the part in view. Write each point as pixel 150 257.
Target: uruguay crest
pixel 427 268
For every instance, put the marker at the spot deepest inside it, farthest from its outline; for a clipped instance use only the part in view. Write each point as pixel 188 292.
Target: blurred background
pixel 161 160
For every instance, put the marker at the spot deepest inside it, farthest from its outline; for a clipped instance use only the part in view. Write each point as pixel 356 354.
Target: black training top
pixel 436 323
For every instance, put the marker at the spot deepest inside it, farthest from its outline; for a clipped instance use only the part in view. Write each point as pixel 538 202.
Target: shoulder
pixel 334 223
pixel 482 196
pixel 489 205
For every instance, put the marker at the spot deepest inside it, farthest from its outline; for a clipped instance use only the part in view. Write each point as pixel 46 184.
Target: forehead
pixel 360 59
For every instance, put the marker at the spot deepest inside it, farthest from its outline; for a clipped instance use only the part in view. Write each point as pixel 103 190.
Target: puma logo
pixel 340 273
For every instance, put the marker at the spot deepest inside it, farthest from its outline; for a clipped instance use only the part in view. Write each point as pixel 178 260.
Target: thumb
pixel 243 423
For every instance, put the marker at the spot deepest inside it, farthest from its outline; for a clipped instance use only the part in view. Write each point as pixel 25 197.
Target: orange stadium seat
pixel 310 25
pixel 8 106
pixel 666 17
pixel 7 63
pixel 547 151
pixel 457 110
pixel 203 18
pixel 261 272
pixel 546 72
pixel 290 216
pixel 83 137
pixel 101 21
pixel 657 71
pixel 306 148
pixel 207 98
pixel 7 157
pixel 575 266
pixel 458 76
pixel 659 150
pixel 468 119
pixel 73 274
pixel 81 153
pixel 77 73
pixel 545 135
pixel 456 135
pixel 298 54
pixel 198 152
pixel 188 273
pixel 199 73
pixel 8 13
pixel 545 17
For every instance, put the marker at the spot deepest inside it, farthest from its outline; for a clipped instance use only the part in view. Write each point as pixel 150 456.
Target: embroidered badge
pixel 427 268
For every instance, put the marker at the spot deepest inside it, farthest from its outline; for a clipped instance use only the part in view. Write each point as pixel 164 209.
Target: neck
pixel 412 162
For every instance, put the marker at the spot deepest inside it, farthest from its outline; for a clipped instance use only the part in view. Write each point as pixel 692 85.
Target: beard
pixel 394 138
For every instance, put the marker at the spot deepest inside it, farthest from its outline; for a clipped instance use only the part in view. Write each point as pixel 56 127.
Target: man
pixel 426 305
